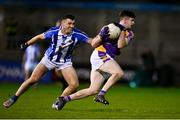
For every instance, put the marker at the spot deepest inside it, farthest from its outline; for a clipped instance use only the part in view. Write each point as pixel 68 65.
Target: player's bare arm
pixel 31 41
pixel 89 41
pixel 125 38
pixel 35 39
pixel 121 40
pixel 96 41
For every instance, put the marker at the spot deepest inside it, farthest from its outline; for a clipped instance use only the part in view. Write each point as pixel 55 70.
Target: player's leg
pixel 116 73
pixel 39 71
pixel 71 78
pixel 96 82
pixel 60 76
pixel 115 70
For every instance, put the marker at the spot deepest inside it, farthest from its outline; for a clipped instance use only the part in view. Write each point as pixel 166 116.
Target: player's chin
pixel 69 31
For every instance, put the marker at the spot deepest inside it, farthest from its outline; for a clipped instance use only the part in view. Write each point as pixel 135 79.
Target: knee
pixel 30 81
pixel 33 79
pixel 119 74
pixel 74 85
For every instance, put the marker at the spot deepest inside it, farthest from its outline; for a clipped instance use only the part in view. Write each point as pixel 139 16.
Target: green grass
pixel 124 103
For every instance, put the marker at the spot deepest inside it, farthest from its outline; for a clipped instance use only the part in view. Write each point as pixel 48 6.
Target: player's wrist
pixel 100 36
pixel 24 46
pixel 26 43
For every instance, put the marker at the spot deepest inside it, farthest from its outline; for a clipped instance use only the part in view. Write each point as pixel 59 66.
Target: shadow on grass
pixel 97 110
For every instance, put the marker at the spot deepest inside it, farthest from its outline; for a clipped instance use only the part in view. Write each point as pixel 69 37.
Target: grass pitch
pixel 125 102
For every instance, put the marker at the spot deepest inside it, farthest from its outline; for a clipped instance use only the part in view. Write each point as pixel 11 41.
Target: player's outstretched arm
pixel 31 41
pixel 102 36
pixel 96 41
pixel 35 39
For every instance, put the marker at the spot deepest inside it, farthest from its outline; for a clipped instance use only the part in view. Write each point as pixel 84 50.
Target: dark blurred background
pixel 152 59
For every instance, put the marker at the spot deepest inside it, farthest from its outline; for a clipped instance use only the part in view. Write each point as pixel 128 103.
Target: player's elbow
pixel 121 45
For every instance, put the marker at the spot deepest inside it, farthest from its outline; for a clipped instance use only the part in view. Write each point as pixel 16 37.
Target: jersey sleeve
pixel 82 37
pixel 49 33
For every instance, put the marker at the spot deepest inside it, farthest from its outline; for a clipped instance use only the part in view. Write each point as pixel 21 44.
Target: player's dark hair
pixel 68 16
pixel 127 13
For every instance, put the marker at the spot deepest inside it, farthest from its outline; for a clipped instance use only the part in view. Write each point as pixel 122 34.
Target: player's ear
pixel 63 21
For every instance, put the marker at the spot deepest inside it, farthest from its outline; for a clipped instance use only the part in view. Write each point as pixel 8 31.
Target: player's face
pixel 67 26
pixel 130 22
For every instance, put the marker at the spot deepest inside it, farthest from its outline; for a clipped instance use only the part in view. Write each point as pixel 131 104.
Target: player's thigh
pixel 58 72
pixel 70 75
pixel 96 80
pixel 111 66
pixel 38 72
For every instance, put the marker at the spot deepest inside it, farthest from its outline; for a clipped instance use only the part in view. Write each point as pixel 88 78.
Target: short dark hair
pixel 127 13
pixel 68 16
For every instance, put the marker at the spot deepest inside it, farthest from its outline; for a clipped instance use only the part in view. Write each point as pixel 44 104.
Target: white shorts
pixel 51 65
pixel 97 60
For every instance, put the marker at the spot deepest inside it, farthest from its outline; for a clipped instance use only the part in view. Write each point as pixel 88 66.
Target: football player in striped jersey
pixel 58 56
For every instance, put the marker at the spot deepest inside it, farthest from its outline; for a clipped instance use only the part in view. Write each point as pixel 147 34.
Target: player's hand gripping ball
pixel 104 33
pixel 129 35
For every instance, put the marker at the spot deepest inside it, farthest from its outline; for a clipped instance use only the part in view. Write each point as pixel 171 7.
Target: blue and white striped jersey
pixel 54 53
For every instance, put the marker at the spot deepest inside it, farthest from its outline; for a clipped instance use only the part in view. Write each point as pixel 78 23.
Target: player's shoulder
pixel 79 32
pixel 76 30
pixel 54 28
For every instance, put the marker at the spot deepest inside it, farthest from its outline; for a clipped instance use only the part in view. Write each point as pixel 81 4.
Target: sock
pixel 67 98
pixel 14 98
pixel 102 92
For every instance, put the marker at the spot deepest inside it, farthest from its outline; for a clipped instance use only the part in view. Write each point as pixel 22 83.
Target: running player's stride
pixel 102 61
pixel 58 56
